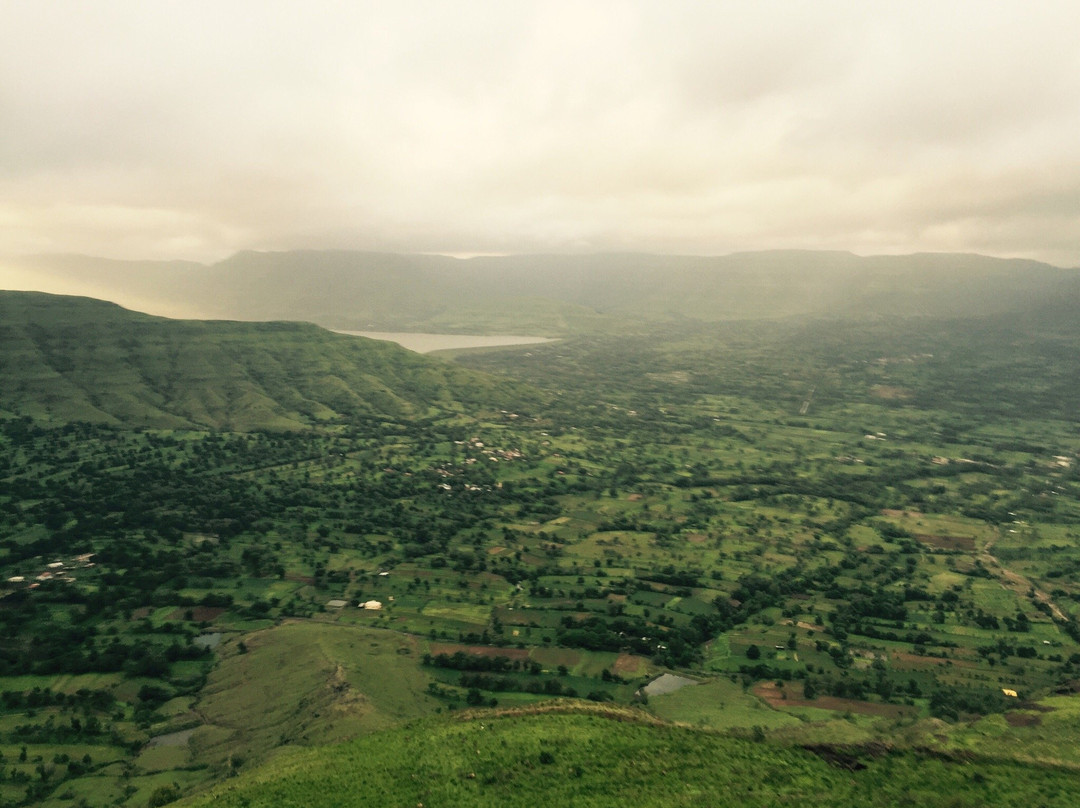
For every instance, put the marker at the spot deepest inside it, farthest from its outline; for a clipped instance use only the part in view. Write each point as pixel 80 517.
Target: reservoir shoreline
pixel 427 343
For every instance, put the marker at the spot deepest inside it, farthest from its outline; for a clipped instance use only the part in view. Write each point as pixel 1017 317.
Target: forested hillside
pixel 75 359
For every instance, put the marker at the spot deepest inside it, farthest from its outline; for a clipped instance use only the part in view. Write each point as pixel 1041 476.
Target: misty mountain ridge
pixel 68 358
pixel 556 295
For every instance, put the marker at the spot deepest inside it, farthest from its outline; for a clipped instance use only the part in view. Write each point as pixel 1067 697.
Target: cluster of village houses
pixel 368 605
pixel 494 455
pixel 58 571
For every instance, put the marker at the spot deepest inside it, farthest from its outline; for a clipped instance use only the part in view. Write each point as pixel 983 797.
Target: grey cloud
pixel 196 129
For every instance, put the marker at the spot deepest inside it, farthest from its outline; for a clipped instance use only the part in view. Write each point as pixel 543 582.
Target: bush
pixel 164 795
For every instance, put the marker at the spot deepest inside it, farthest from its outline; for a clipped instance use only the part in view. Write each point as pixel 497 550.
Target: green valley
pixel 661 561
pixel 73 359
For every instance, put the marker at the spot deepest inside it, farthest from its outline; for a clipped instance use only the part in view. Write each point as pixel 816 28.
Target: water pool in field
pixel 668 683
pixel 426 343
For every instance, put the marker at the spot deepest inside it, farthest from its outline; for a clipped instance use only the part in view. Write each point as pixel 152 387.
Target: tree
pixel 164 795
pixel 753 652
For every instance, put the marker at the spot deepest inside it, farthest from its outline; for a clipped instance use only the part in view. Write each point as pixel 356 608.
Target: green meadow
pixel 608 759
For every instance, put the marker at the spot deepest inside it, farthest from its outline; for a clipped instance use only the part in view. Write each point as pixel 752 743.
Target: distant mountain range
pixel 77 359
pixel 554 295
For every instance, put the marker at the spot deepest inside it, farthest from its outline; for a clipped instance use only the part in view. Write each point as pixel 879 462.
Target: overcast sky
pixel 153 129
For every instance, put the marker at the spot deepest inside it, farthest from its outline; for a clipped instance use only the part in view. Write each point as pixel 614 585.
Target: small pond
pixel 668 683
pixel 207 640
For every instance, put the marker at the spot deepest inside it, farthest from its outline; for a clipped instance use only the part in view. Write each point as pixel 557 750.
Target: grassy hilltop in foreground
pixel 78 359
pixel 617 757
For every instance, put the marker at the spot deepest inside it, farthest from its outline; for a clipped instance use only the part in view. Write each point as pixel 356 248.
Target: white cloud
pixel 193 129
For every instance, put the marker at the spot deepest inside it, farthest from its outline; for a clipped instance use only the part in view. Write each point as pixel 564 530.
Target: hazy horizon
pixel 468 256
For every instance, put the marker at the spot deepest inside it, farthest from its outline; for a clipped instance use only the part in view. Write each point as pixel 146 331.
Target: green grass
pixel 1045 734
pixel 65 683
pixel 163 758
pixel 302 683
pixel 607 758
pixel 465 613
pixel 719 704
pixel 717 653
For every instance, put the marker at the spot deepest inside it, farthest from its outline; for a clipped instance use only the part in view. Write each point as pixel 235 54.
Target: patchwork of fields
pixel 182 604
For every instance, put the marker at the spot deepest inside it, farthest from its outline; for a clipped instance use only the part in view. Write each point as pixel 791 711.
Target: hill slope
pixel 65 358
pixel 554 295
pixel 586 759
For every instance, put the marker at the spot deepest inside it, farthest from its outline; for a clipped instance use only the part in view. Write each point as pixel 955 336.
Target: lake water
pixel 426 343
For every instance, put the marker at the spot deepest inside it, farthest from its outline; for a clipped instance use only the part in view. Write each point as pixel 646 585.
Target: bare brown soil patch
pixel 810 626
pixel 775 697
pixel 200 614
pixel 634 497
pixel 141 613
pixel 553 657
pixel 495 550
pixel 697 538
pixel 947 542
pixel 420 572
pixel 477 650
pixel 890 392
pixel 836 758
pixel 302 579
pixel 905 661
pixel 628 664
pixel 1022 719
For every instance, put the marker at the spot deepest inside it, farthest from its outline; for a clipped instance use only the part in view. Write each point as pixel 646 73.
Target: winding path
pixel 1017 582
